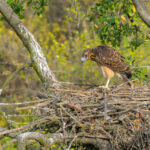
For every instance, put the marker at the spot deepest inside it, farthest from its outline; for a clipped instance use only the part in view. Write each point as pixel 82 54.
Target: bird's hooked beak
pixel 83 59
pixel 85 55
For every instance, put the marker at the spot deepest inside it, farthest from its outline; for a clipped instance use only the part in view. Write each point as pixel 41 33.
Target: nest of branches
pixel 115 119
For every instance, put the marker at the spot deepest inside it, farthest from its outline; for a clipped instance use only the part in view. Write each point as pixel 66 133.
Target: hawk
pixel 110 61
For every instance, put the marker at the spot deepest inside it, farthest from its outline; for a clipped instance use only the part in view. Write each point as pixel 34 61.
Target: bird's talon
pixel 104 87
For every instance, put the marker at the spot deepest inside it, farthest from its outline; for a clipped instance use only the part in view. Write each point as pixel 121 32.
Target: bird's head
pixel 87 54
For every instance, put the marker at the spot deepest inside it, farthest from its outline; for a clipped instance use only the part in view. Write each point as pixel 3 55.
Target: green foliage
pixel 38 5
pixel 19 6
pixel 117 24
pixel 3 120
pixel 141 74
pixel 7 144
pixel 114 20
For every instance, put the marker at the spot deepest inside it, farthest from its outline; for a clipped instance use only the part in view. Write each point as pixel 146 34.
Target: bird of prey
pixel 110 61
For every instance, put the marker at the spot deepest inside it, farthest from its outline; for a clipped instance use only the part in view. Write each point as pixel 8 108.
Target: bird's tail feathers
pixel 128 74
pixel 125 78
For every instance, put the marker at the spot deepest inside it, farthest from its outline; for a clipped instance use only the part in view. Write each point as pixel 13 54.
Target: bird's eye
pixel 85 55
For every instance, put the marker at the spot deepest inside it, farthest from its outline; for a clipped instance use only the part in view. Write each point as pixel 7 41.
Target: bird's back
pixel 109 57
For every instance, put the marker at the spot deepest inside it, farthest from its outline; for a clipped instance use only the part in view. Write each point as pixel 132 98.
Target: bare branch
pixel 72 142
pixel 21 104
pixel 11 76
pixel 142 9
pixel 106 117
pixel 16 131
pixel 22 138
pixel 25 139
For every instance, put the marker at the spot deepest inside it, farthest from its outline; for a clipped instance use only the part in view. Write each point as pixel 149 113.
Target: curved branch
pixel 39 61
pixel 25 139
pixel 142 11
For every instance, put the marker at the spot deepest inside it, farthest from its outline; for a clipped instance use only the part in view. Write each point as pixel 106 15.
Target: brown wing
pixel 109 57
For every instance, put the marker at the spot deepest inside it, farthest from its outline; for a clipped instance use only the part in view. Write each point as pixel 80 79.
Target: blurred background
pixel 63 32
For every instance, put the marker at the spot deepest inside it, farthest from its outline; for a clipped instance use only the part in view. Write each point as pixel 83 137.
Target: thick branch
pixel 16 131
pixel 25 138
pixel 39 61
pixel 142 10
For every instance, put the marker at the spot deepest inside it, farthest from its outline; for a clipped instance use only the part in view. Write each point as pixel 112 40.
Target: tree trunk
pixel 143 9
pixel 39 61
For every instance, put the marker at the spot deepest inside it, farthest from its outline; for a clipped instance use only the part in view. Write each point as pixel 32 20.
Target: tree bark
pixel 143 10
pixel 24 139
pixel 39 61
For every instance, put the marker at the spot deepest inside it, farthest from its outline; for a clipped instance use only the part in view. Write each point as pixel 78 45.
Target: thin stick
pixel 11 76
pixel 105 105
pixel 71 142
pixel 24 103
pixel 106 117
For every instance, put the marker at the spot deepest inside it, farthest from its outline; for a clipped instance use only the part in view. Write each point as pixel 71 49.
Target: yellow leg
pixel 107 73
pixel 106 86
pixel 107 83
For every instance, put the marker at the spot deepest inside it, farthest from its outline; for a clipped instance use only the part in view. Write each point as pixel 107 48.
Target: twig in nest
pixel 23 103
pixel 63 125
pixel 74 107
pixel 70 115
pixel 35 106
pixel 72 142
pixel 74 92
pixel 106 117
pixel 27 127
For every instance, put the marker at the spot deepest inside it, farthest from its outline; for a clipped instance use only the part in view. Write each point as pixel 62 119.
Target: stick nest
pixel 78 111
